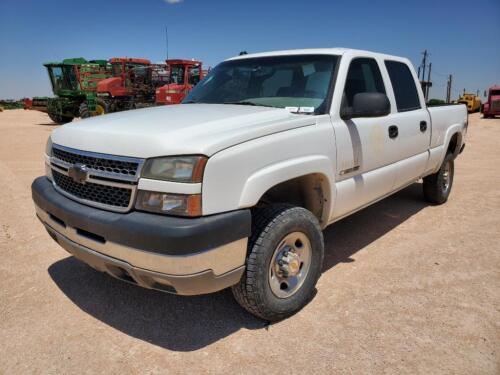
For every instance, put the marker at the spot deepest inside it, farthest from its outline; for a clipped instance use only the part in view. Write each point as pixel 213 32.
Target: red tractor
pixel 133 84
pixel 491 107
pixel 183 75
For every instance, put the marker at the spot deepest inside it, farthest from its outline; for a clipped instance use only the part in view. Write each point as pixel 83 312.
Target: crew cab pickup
pixel 233 187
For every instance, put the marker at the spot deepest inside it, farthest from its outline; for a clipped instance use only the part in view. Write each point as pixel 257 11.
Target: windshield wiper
pixel 246 102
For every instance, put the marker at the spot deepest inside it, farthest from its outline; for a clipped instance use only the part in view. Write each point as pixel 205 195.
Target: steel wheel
pixel 290 264
pixel 99 110
pixel 446 176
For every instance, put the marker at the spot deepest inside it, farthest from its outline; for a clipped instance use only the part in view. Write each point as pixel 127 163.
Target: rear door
pixel 412 120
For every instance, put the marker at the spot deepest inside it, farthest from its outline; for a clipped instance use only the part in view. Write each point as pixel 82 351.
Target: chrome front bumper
pixel 155 263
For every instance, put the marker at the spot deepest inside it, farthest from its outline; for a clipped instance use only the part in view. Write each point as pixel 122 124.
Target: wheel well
pixel 453 145
pixel 310 192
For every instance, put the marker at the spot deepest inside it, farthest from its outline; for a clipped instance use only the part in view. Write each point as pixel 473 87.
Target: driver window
pixel 363 76
pixel 194 75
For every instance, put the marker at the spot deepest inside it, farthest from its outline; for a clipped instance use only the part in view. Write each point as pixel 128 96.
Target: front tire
pixel 101 109
pixel 60 119
pixel 437 187
pixel 284 262
pixel 84 110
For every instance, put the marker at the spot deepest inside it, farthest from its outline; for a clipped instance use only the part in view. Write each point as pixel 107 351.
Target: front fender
pixel 237 177
pixel 486 108
pixel 264 179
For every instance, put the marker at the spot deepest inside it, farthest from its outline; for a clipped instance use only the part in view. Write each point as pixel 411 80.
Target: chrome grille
pixel 495 105
pixel 120 167
pixel 110 182
pixel 104 194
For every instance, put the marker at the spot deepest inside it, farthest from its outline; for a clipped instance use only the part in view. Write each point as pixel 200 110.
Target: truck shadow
pixel 349 235
pixel 190 323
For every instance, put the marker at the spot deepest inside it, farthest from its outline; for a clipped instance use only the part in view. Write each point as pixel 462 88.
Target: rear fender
pixel 458 130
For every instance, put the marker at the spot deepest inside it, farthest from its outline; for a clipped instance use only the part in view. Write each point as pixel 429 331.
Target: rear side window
pixel 404 87
pixel 363 76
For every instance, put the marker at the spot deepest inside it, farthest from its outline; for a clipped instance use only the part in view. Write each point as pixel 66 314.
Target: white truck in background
pixel 233 187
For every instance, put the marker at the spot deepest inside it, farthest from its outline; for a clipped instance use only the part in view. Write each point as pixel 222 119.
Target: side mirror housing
pixel 367 104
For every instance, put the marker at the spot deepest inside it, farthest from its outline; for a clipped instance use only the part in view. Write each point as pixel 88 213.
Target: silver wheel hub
pixel 290 264
pixel 446 177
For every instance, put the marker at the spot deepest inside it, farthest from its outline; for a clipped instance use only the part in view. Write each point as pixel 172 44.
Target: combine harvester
pixel 133 84
pixel 90 88
pixel 184 75
pixel 74 84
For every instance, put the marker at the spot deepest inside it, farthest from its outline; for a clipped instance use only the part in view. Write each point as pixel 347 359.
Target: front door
pixel 366 147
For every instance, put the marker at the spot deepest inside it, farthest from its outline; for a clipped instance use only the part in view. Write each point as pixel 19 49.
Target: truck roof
pixel 319 51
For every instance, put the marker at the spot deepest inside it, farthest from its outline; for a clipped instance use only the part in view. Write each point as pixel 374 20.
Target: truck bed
pixel 443 118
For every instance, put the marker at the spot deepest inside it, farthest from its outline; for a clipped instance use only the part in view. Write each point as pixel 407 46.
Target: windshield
pixel 495 92
pixel 177 74
pixel 63 77
pixel 117 69
pixel 301 82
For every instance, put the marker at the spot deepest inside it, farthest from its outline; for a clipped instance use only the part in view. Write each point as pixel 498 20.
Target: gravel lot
pixel 407 288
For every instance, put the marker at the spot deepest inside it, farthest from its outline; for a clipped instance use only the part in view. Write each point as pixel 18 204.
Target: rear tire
pixel 60 119
pixel 284 262
pixel 437 186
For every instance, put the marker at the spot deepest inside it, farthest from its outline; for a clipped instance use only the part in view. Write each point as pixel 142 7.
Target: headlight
pixel 48 147
pixel 176 168
pixel 171 204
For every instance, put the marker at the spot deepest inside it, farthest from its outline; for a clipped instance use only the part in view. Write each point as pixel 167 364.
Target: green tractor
pixel 74 84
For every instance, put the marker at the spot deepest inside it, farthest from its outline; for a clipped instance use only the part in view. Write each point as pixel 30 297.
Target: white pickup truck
pixel 233 187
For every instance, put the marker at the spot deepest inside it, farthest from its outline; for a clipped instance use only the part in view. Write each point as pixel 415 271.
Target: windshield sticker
pixel 292 109
pixel 306 109
pixel 308 69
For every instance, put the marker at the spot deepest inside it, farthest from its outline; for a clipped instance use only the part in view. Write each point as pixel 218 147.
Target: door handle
pixel 393 131
pixel 423 126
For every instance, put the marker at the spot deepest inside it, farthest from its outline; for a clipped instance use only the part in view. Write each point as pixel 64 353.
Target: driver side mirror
pixel 367 104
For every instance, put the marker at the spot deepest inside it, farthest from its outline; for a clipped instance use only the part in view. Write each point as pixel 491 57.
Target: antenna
pixel 166 39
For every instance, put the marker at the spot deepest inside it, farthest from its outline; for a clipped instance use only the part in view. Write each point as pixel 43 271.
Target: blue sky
pixel 462 39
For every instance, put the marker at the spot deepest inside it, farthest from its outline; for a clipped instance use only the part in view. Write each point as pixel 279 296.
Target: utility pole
pixel 166 39
pixel 448 89
pixel 427 86
pixel 424 63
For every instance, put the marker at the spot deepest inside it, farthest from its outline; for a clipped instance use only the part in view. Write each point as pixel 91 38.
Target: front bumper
pixel 178 255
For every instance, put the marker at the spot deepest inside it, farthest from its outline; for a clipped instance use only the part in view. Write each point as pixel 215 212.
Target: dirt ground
pixel 406 288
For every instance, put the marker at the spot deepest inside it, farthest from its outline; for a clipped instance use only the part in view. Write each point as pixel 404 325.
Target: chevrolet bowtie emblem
pixel 78 173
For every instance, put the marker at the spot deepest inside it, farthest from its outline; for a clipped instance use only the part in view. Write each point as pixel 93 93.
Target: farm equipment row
pixel 85 88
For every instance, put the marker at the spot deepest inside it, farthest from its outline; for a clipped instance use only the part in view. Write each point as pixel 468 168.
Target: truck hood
pixel 176 129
